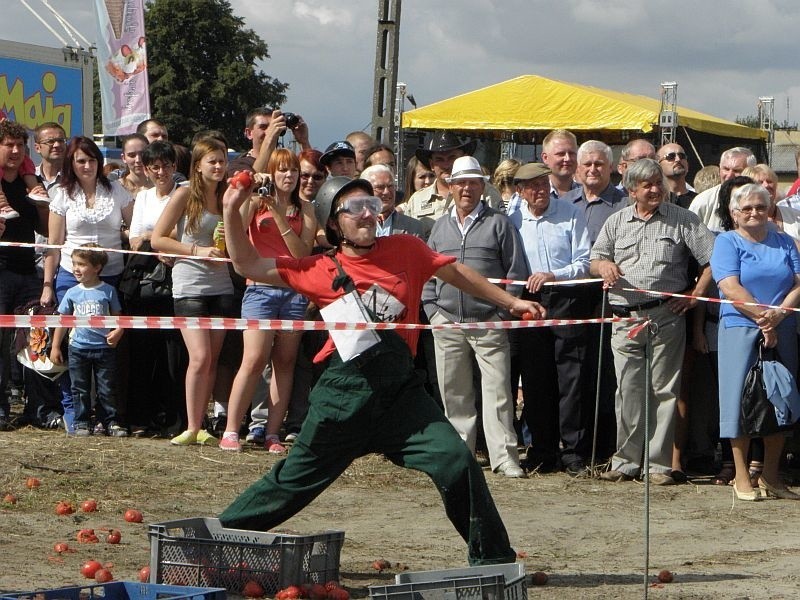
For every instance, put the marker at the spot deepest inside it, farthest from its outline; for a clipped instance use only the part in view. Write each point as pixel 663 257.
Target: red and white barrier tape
pixel 569 282
pixel 706 299
pixel 116 250
pixel 650 292
pixel 566 282
pixel 143 322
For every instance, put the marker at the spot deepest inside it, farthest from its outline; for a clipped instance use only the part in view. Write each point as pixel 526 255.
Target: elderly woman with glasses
pixel 785 217
pixel 754 263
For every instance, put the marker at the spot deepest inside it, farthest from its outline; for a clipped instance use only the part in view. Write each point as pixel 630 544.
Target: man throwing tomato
pixel 373 402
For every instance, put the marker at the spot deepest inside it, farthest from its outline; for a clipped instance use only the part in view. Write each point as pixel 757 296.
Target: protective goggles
pixel 356 206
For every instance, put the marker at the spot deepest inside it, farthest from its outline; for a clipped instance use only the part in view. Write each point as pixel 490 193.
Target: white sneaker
pixel 511 469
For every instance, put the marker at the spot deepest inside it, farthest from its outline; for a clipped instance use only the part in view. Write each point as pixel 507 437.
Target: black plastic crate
pixel 202 552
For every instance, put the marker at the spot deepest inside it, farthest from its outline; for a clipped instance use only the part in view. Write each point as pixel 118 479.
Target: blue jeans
pixel 268 302
pixel 65 280
pixel 102 363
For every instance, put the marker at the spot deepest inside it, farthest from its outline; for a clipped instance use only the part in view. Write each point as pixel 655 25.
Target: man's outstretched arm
pixel 473 283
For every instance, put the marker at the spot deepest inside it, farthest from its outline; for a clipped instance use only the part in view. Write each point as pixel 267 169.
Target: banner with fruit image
pixel 122 65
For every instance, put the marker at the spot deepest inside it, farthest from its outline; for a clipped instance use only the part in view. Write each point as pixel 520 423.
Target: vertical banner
pixel 122 65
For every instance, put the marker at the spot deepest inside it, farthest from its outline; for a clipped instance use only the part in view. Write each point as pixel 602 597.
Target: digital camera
pixel 292 120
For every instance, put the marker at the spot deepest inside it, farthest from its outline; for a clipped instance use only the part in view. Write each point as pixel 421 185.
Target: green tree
pixel 202 69
pixel 749 121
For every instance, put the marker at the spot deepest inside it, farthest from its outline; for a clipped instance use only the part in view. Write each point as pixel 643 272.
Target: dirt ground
pixel 587 535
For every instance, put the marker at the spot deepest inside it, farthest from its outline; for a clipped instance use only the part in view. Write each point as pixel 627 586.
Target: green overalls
pixel 377 404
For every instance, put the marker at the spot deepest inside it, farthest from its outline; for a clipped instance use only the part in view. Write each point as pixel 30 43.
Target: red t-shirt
pixel 392 274
pixel 266 237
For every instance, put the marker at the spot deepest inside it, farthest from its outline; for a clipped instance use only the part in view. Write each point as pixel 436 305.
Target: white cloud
pixel 326 16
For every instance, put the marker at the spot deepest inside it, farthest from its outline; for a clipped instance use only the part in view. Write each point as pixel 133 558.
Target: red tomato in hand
pixel 90 568
pixel 133 516
pixel 241 179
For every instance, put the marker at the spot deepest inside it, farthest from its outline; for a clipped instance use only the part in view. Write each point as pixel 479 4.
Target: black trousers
pixel 551 363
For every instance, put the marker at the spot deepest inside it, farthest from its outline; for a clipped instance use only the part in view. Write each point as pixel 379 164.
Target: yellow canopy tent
pixel 530 102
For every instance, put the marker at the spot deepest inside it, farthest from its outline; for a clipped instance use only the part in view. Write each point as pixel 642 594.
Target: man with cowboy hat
pixel 485 240
pixel 432 202
pixel 374 401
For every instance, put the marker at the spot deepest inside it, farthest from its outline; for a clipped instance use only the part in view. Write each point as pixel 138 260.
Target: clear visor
pixel 356 206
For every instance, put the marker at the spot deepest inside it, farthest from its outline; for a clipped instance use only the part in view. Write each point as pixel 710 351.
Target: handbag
pixel 757 417
pixel 145 277
pixel 157 283
pixel 32 345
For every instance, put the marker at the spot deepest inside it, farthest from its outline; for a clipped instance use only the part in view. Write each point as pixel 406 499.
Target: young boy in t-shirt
pixel 92 351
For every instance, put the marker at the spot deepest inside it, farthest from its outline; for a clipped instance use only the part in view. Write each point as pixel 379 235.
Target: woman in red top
pixel 279 224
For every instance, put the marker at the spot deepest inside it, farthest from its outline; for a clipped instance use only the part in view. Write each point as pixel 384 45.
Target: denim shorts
pixel 268 302
pixel 206 306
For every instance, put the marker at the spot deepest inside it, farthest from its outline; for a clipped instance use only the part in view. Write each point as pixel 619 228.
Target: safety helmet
pixel 326 198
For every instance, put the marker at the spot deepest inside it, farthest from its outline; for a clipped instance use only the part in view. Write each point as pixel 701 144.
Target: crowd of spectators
pixel 539 224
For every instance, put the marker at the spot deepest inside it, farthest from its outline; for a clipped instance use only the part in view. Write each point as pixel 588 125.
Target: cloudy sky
pixel 724 54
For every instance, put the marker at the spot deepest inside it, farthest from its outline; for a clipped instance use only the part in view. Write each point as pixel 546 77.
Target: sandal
pixel 756 467
pixel 725 475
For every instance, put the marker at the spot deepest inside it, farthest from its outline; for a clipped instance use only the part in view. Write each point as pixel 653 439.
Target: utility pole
pixel 668 115
pixel 385 79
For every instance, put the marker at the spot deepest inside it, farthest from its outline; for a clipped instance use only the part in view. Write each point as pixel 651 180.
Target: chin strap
pixel 346 242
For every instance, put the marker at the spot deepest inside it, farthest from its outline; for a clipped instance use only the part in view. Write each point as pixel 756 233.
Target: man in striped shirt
pixel 647 246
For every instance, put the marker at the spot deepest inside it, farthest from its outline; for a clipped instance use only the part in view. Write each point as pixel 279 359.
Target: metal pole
pixel 648 354
pixel 597 384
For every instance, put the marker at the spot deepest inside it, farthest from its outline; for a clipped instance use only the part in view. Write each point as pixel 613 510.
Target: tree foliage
pixel 755 122
pixel 201 63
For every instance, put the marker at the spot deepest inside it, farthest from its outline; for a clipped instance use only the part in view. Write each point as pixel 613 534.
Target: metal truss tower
pixel 668 115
